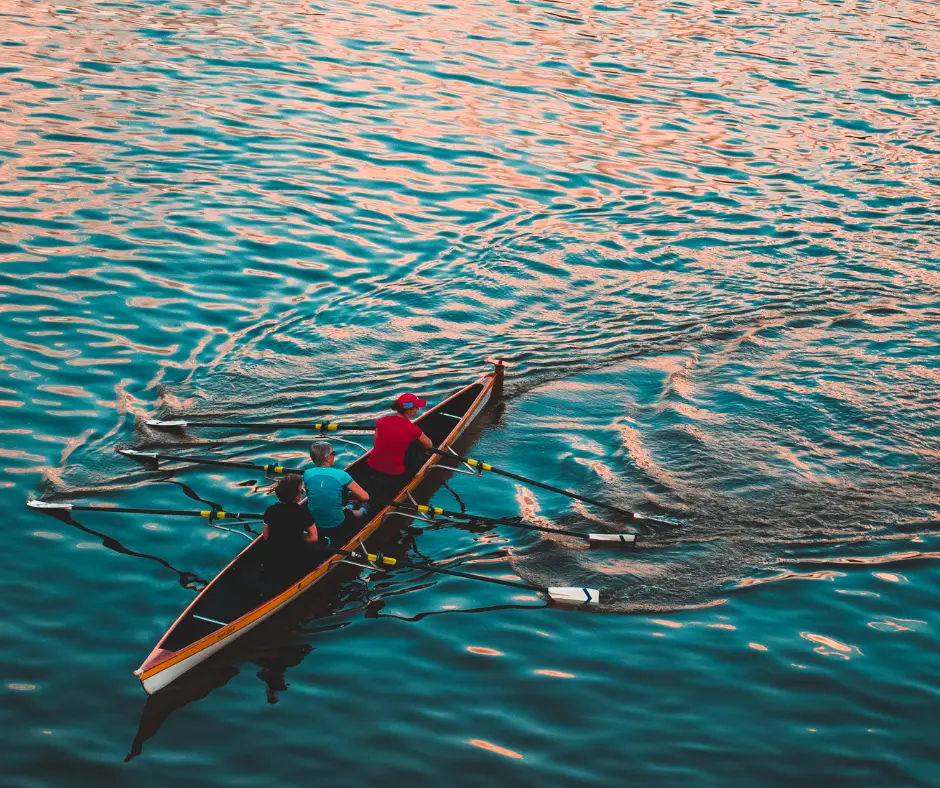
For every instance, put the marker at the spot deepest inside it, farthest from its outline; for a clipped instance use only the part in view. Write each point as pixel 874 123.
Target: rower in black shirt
pixel 288 529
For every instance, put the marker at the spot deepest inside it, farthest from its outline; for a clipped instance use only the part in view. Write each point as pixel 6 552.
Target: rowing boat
pixel 241 597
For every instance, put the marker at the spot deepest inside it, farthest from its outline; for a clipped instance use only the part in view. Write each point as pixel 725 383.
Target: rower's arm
pixel 425 441
pixel 357 490
pixel 311 535
pixel 265 531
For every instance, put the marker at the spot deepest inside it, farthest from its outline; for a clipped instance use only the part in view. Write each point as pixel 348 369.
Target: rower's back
pixel 288 529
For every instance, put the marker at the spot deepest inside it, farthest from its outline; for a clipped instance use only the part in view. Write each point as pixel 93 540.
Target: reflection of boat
pixel 242 596
pixel 161 706
pixel 274 665
pixel 273 661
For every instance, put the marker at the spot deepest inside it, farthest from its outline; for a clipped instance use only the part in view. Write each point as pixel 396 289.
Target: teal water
pixel 706 236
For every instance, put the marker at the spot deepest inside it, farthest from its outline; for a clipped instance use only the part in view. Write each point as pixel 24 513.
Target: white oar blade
pixel 134 453
pixel 611 540
pixel 165 424
pixel 574 596
pixel 48 505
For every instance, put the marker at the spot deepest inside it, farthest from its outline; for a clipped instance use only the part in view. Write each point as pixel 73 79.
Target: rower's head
pixel 289 489
pixel 408 405
pixel 322 453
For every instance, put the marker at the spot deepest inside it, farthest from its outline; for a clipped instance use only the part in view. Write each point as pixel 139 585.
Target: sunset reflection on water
pixel 704 234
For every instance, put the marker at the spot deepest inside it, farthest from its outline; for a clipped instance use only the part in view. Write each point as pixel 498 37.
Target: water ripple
pixel 705 235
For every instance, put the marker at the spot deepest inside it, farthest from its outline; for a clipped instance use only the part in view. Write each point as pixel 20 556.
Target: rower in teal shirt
pixel 325 486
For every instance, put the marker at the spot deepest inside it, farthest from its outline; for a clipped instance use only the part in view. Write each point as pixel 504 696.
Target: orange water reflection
pixel 486 745
pixel 238 213
pixel 830 647
pixel 484 651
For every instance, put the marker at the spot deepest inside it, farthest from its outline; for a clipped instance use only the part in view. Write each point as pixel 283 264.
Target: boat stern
pixel 499 375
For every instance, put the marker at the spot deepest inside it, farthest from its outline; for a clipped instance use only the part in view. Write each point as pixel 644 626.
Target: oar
pixel 594 540
pixel 321 426
pixel 485 466
pixel 562 595
pixel 210 514
pixel 150 455
pixel 559 594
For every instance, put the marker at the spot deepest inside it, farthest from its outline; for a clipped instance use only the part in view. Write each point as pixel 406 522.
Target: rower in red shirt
pixel 393 435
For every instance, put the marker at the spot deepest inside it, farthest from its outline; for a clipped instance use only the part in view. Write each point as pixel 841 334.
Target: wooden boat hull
pixel 183 647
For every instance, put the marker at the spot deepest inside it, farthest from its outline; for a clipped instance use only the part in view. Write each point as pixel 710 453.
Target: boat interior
pixel 251 581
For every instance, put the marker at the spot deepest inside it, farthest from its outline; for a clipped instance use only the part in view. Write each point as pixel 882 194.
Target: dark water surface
pixel 707 236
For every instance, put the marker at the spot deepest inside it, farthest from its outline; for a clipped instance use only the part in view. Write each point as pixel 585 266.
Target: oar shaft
pixel 470 576
pixel 388 561
pixel 207 513
pixel 484 466
pixel 196 460
pixel 561 594
pixel 222 463
pixel 320 426
pixel 510 521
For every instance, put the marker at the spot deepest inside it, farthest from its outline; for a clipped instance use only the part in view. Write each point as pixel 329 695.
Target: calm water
pixel 706 234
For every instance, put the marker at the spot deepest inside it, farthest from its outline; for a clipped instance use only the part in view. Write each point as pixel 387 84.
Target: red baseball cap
pixel 407 401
